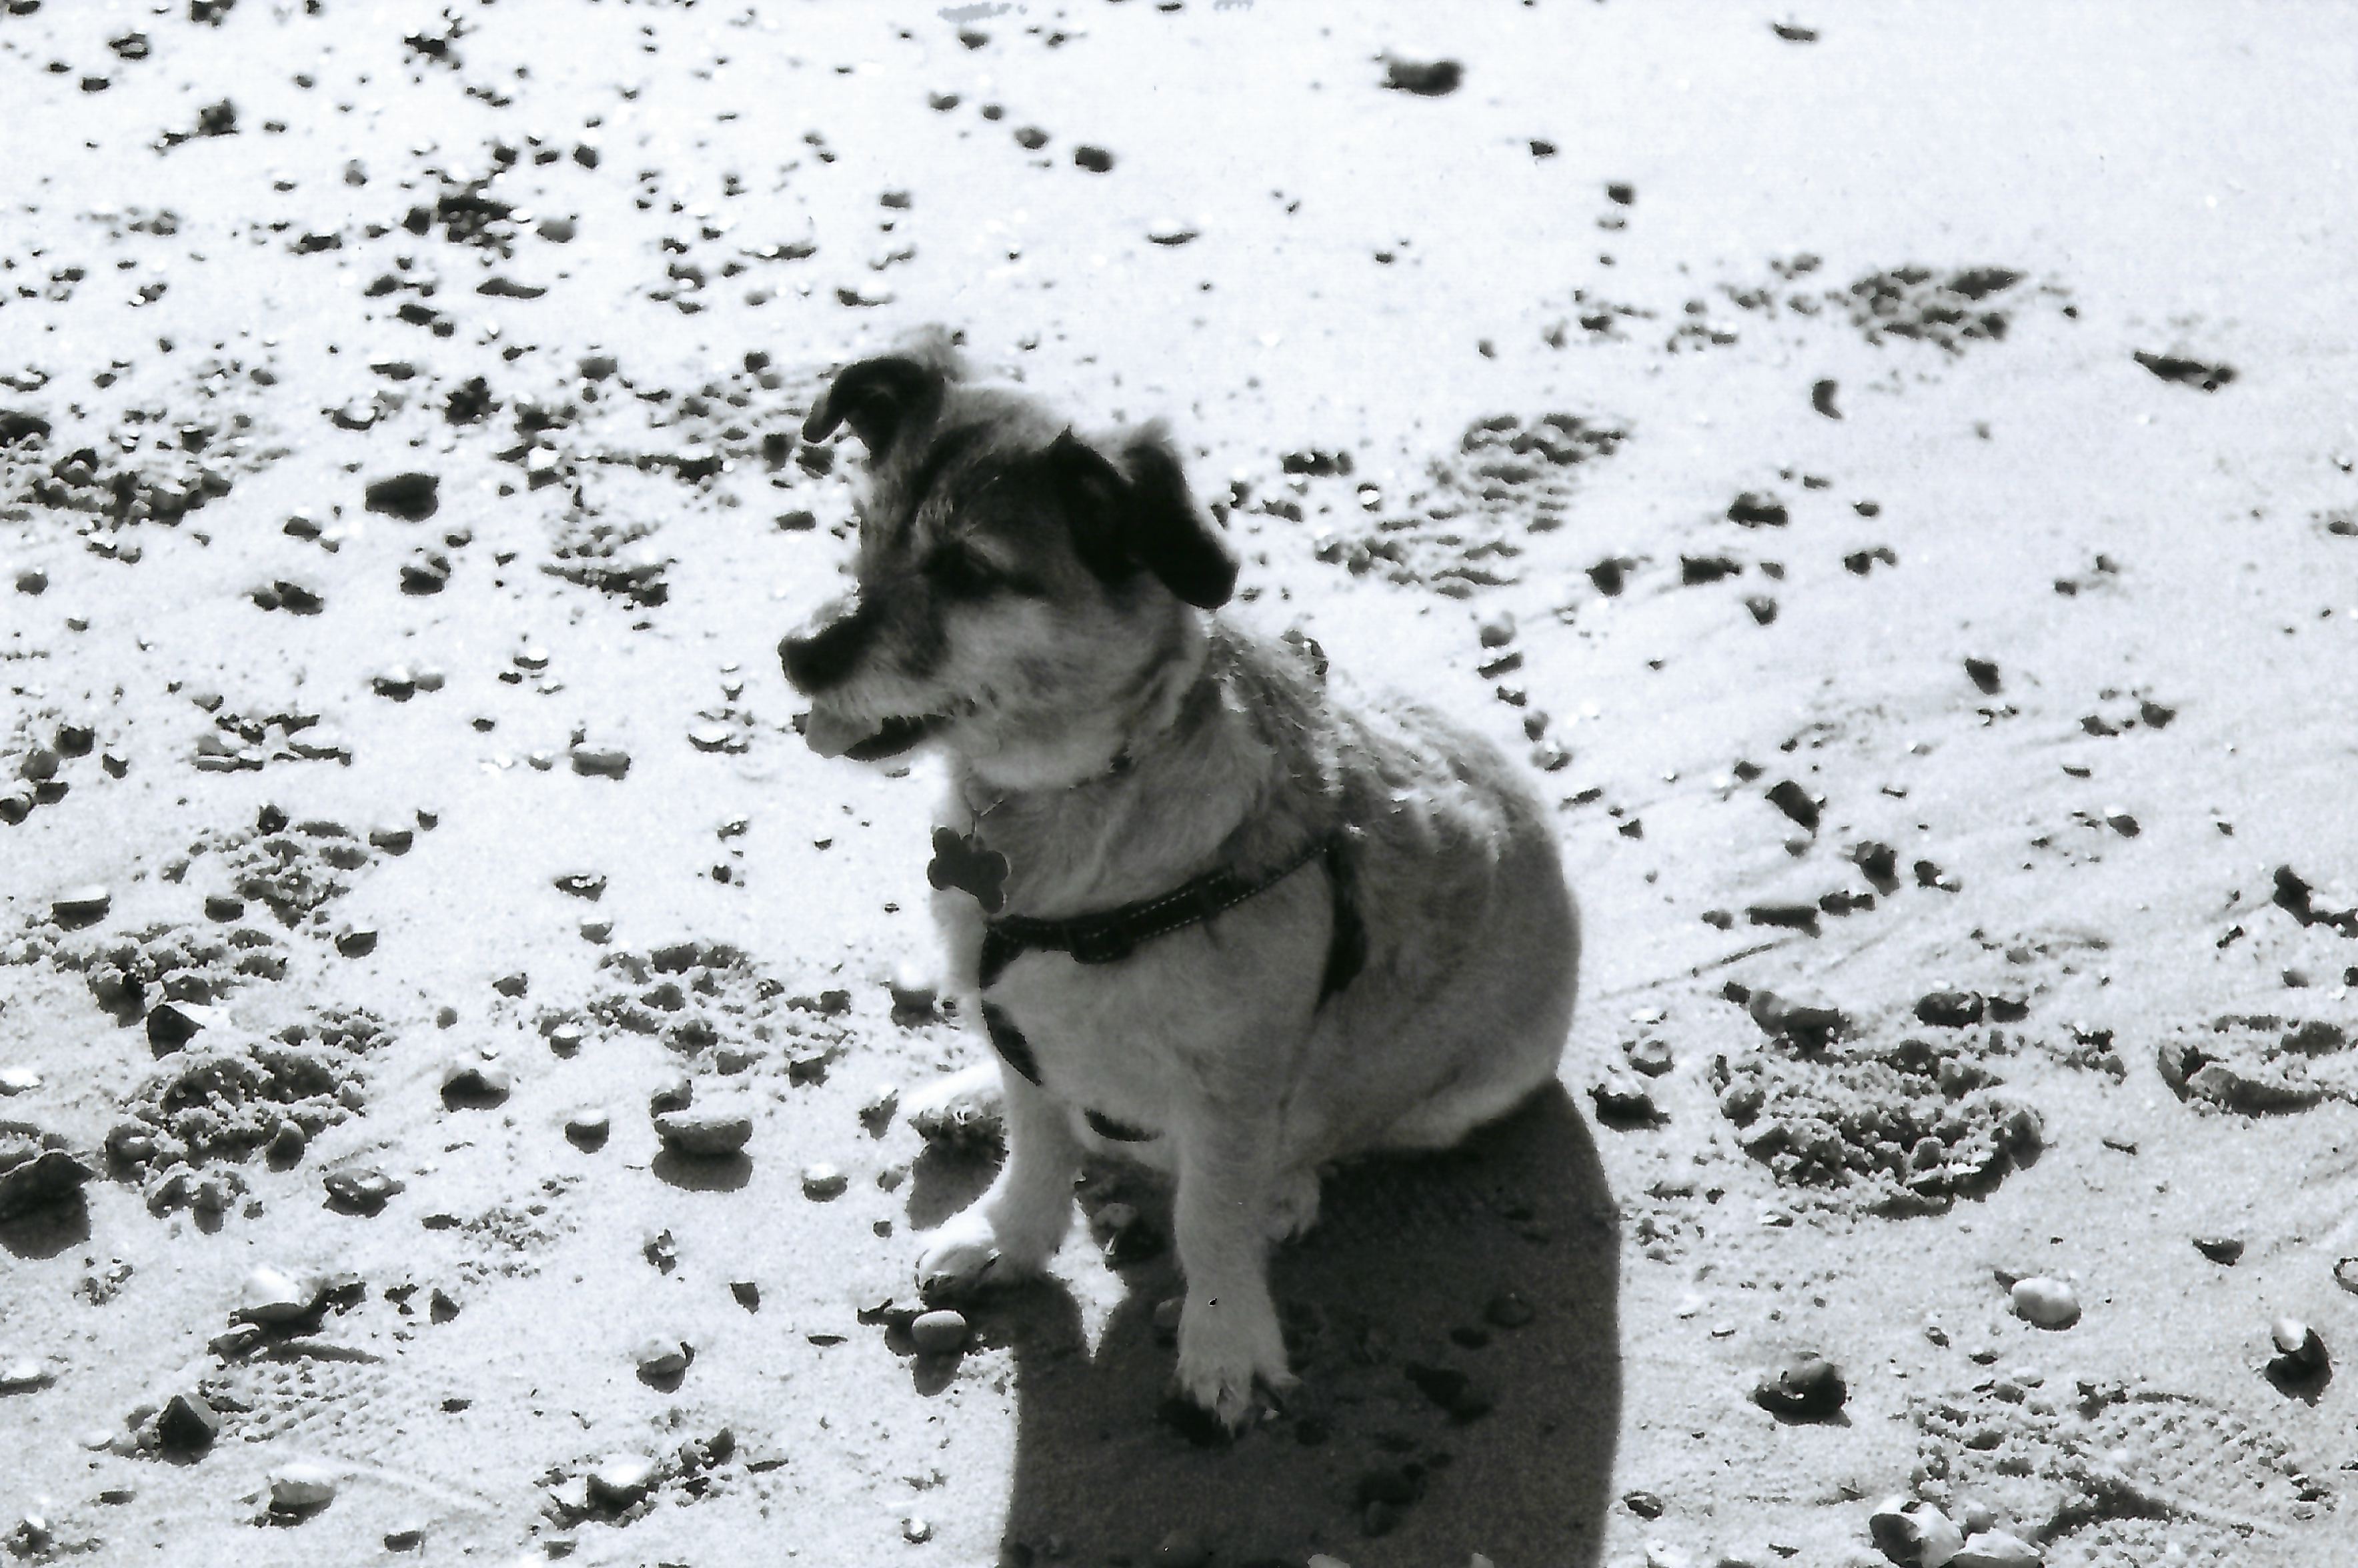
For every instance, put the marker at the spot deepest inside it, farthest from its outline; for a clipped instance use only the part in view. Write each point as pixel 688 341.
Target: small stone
pixel 2222 1248
pixel 823 1182
pixel 301 1486
pixel 706 1132
pixel 1996 1549
pixel 1097 160
pixel 938 1332
pixel 588 1127
pixel 675 1093
pixel 172 1024
pixel 1951 1009
pixel 622 1479
pixel 18 1080
pixel 1425 78
pixel 1915 1535
pixel 356 941
pixel 603 762
pixel 38 1170
pixel 2047 1303
pixel 392 840
pixel 1984 673
pixel 513 985
pixel 1171 232
pixel 915 1531
pixel 32 581
pixel 662 1356
pixel 1804 1387
pixel 1645 1505
pixel 2345 1274
pixel 188 1424
pixel 1651 1055
pixel 406 496
pixel 24 1375
pixel 2300 1353
pixel 473 1082
pixel 271 1295
pixel 710 737
pixel 1498 631
pixel 223 907
pixel 363 1190
pixel 81 905
pixel 1805 1023
pixel 1621 1099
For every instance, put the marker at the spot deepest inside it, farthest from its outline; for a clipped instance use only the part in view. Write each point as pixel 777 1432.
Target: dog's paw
pixel 1292 1205
pixel 967 1108
pixel 962 1258
pixel 1222 1355
pixel 971 1251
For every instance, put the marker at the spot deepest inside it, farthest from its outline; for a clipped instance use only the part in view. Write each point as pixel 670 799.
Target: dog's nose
pixel 822 652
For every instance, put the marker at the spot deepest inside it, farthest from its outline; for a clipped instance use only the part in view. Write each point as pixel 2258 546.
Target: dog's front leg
pixel 1016 1227
pixel 1228 1333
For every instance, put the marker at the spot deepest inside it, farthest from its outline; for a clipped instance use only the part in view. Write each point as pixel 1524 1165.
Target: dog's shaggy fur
pixel 1037 605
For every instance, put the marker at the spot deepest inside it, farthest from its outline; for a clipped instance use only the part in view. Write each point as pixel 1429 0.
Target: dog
pixel 1215 917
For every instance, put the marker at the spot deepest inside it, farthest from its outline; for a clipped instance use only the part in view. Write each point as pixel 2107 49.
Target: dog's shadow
pixel 1453 1321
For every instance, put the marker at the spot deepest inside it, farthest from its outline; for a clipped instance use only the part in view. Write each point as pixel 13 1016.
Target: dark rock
pixel 1425 78
pixel 410 496
pixel 1803 1388
pixel 1756 511
pixel 1950 1010
pixel 1796 802
pixel 2219 1248
pixel 38 1170
pixel 188 1424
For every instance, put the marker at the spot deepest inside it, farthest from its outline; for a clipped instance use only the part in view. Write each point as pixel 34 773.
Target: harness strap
pixel 1116 934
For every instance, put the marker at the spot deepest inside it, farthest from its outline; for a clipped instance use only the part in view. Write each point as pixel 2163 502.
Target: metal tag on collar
pixel 960 862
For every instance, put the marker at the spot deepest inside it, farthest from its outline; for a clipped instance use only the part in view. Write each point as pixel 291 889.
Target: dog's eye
pixel 960 570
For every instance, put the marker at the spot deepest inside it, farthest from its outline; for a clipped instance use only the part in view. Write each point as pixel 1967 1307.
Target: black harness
pixel 1114 934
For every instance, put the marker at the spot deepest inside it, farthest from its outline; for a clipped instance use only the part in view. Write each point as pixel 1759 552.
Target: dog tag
pixel 960 862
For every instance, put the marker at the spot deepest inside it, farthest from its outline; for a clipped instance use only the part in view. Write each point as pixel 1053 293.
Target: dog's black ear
pixel 1133 510
pixel 877 396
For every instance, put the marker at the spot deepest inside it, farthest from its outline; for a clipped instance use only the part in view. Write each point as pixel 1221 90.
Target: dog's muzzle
pixel 821 656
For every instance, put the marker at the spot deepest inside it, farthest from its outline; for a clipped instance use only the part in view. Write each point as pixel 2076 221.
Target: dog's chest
pixel 1111 1038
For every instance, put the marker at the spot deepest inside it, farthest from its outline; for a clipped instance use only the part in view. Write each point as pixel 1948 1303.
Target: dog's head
pixel 1022 588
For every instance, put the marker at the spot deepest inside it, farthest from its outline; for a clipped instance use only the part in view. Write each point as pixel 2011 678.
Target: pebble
pixel 188 1424
pixel 356 941
pixel 1915 1535
pixel 473 1078
pixel 2300 1354
pixel 2047 1303
pixel 706 1131
pixel 675 1093
pixel 2345 1274
pixel 604 762
pixel 23 1376
pixel 622 1479
pixel 710 737
pixel 823 1182
pixel 1651 1055
pixel 36 1169
pixel 1996 1549
pixel 1498 631
pixel 172 1024
pixel 1984 673
pixel 1804 1387
pixel 365 1190
pixel 1622 1099
pixel 18 1080
pixel 301 1484
pixel 1799 1020
pixel 588 1127
pixel 82 904
pixel 662 1356
pixel 1951 1009
pixel 938 1332
pixel 1171 232
pixel 271 1295
pixel 2228 1249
